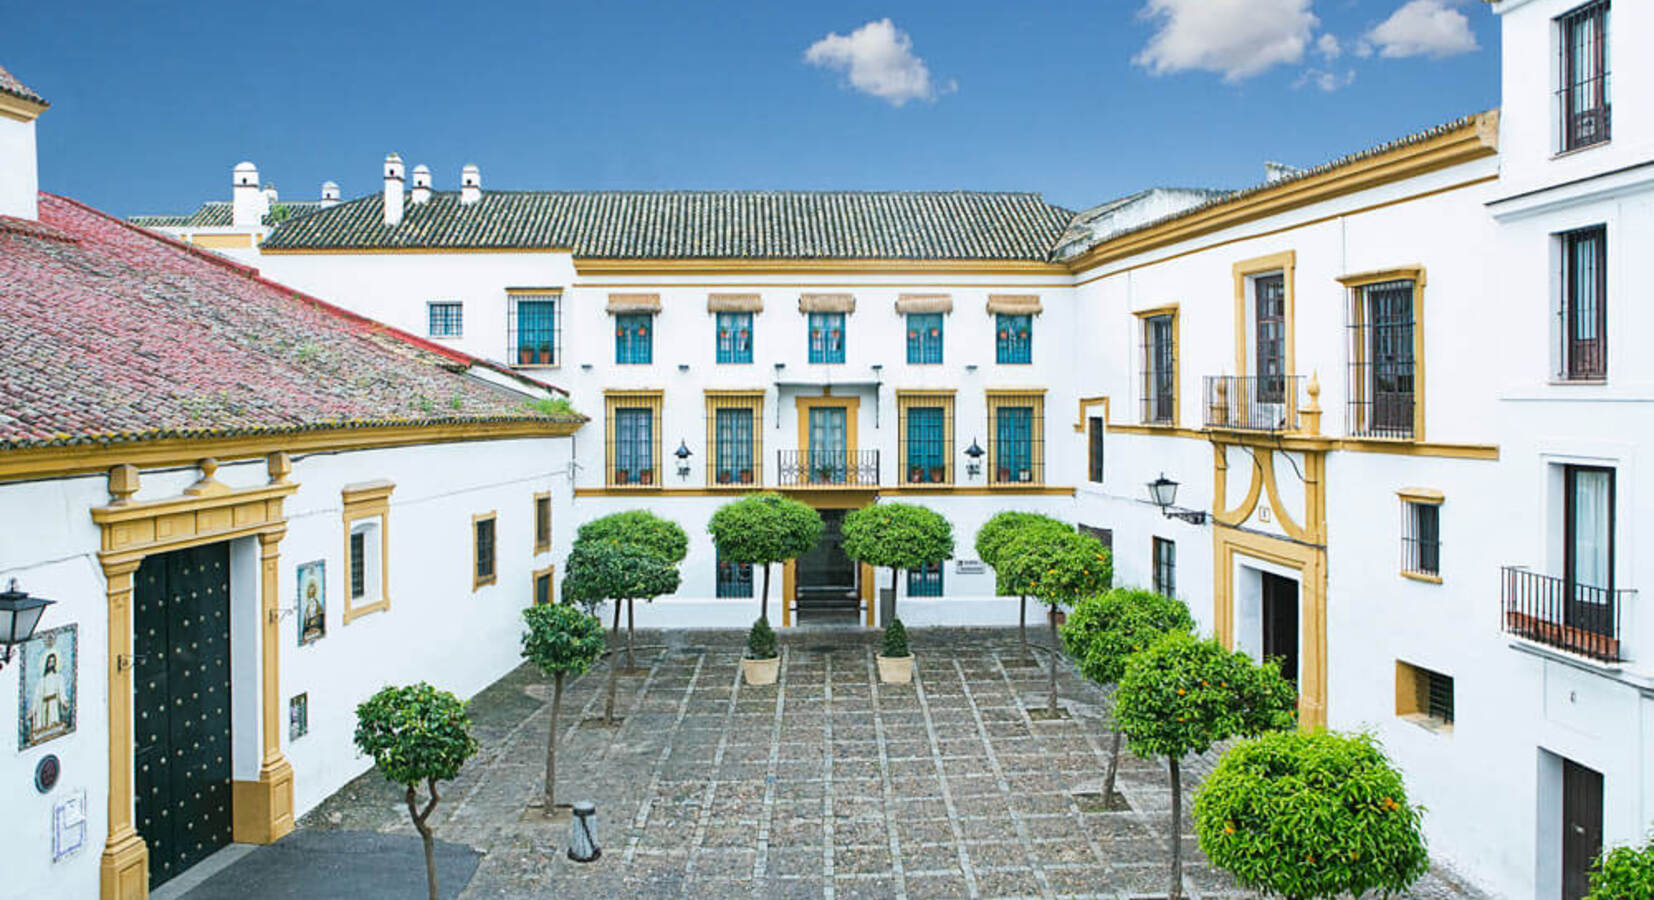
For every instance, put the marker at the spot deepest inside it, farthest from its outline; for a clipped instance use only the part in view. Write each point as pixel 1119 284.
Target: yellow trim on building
pixel 1421 495
pixel 550 571
pixel 223 241
pixel 1143 317
pixel 1244 273
pixel 615 400
pixel 906 401
pixel 752 400
pixel 1358 308
pixel 13 107
pixel 365 501
pixel 596 266
pixel 336 251
pixel 852 415
pixel 1085 405
pixel 1001 398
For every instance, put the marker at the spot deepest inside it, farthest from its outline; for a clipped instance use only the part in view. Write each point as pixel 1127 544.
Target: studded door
pixel 181 682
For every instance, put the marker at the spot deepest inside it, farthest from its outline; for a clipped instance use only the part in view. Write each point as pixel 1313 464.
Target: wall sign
pixel 969 567
pixel 312 602
pixel 46 687
pixel 68 825
pixel 46 773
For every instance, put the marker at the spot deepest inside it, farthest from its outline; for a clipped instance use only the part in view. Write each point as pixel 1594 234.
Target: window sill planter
pixel 525 356
pixel 938 474
pixel 760 671
pixel 916 475
pixel 895 669
pixel 746 476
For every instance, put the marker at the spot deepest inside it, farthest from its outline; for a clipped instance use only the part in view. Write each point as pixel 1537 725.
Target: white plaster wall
pixel 19 173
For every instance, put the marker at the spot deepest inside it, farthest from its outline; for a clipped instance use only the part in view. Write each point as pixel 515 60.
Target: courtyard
pixel 826 784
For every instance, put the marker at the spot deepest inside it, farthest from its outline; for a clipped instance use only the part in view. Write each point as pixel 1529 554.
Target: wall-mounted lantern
pixel 975 452
pixel 1163 491
pixel 682 453
pixel 19 614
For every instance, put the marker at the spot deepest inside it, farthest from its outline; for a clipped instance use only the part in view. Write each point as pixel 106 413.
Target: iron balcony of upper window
pixel 1261 403
pixel 827 468
pixel 1573 617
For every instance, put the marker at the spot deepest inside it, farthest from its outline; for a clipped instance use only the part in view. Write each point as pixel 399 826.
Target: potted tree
pixel 916 474
pixel 646 476
pixel 1181 695
pixel 602 570
pixel 1058 569
pixel 646 531
pixel 1320 815
pixel 761 664
pixel 762 530
pixel 1105 630
pixel 895 659
pixel 898 536
pixel 993 536
pixel 562 641
pixel 416 734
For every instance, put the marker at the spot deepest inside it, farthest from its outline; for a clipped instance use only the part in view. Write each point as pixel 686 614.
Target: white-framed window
pixel 365 568
pixel 445 318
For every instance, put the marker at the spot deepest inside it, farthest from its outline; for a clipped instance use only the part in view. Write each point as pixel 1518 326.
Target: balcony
pixel 827 469
pixel 1265 404
pixel 1575 618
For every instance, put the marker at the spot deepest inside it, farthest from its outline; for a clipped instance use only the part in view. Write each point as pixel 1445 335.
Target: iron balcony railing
pixel 827 468
pixel 1267 403
pixel 1573 617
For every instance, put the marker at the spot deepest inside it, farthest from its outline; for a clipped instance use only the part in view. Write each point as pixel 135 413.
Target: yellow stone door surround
pixel 829 499
pixel 207 512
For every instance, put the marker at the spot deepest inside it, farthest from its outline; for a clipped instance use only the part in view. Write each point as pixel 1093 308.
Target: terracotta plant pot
pixel 761 671
pixel 938 474
pixel 647 476
pixel 916 475
pixel 525 356
pixel 895 669
pixel 545 357
pixel 746 476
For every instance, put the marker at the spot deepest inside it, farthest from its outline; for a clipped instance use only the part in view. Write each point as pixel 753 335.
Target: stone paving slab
pixel 826 784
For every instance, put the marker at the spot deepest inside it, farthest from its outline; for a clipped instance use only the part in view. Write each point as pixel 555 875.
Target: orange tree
pixel 562 641
pixel 762 530
pixel 1623 872
pixel 645 531
pixel 610 570
pixel 897 535
pixel 1058 568
pixel 1181 695
pixel 999 531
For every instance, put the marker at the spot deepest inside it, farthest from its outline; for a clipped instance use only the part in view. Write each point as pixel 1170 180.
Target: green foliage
pixel 761 640
pixel 1106 629
pixel 557 407
pixel 1059 568
pixel 895 639
pixel 599 571
pixel 561 639
pixel 1622 873
pixel 1184 694
pixel 897 535
pixel 999 530
pixel 1313 815
pixel 638 528
pixel 762 529
pixel 415 733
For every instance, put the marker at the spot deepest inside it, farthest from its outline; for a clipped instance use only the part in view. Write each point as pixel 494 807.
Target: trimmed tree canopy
pixel 1623 872
pixel 1059 568
pixel 1313 815
pixel 613 571
pixel 415 733
pixel 1184 694
pixel 762 529
pixel 639 528
pixel 897 536
pixel 999 530
pixel 1104 630
pixel 561 639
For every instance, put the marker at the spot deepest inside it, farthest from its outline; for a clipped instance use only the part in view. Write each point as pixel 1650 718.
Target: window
pixel 1424 696
pixel 1383 359
pixel 1160 369
pixel 734 579
pixel 632 438
pixel 634 339
pixel 1582 98
pixel 482 550
pixel 826 337
pixel 543 579
pixel 542 522
pixel 734 337
pixel 734 437
pixel 534 330
pixel 1269 340
pixel 1588 545
pixel 1165 567
pixel 925 581
pixel 925 437
pixel 1015 343
pixel 1016 449
pixel 1584 314
pixel 446 318
pixel 1421 545
pixel 1094 449
pixel 366 547
pixel 924 339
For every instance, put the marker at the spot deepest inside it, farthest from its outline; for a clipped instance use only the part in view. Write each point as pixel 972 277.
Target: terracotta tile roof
pixel 111 333
pixel 10 85
pixel 221 214
pixel 702 224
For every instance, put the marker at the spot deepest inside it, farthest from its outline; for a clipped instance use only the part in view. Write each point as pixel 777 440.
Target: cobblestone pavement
pixel 827 784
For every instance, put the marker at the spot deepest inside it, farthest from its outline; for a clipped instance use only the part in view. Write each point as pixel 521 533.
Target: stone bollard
pixel 583 833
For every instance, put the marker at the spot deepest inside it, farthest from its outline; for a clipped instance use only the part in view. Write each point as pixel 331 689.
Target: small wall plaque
pixel 68 825
pixel 969 567
pixel 46 773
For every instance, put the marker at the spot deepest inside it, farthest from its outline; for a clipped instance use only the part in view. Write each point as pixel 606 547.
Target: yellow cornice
pixel 1476 138
pixel 41 462
pixel 590 266
pixel 1395 273
pixel 13 107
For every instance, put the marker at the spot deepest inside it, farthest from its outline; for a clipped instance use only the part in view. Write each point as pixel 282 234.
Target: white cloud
pixel 1324 79
pixel 1238 38
pixel 1423 28
pixel 1328 47
pixel 878 60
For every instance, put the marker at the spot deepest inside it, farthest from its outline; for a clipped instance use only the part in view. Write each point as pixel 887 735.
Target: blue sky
pixel 153 103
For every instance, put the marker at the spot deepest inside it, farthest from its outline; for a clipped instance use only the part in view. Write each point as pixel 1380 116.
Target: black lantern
pixel 682 453
pixel 975 452
pixel 1163 492
pixel 19 614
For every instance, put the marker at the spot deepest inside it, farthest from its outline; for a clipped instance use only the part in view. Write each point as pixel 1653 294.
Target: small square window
pixel 925 581
pixel 1424 696
pixel 542 587
pixel 1421 545
pixel 446 318
pixel 734 579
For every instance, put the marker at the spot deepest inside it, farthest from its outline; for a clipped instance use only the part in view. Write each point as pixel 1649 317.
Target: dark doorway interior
pixel 181 705
pixel 1280 623
pixel 1581 826
pixel 827 584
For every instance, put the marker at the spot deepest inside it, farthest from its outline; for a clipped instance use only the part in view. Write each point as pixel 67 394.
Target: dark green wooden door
pixel 181 708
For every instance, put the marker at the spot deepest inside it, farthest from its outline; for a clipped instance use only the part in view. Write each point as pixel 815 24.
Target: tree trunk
pixel 551 745
pixel 1051 616
pixel 631 607
pixel 1022 625
pixel 895 576
pixel 1177 830
pixel 614 668
pixel 1113 769
pixel 419 817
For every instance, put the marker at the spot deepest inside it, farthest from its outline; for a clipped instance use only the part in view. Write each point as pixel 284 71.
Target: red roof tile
pixel 10 85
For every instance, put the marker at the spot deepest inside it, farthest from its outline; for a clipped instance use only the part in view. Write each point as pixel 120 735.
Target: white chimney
pixel 421 185
pixel 19 172
pixel 330 194
pixel 271 198
pixel 247 203
pixel 470 185
pixel 393 190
